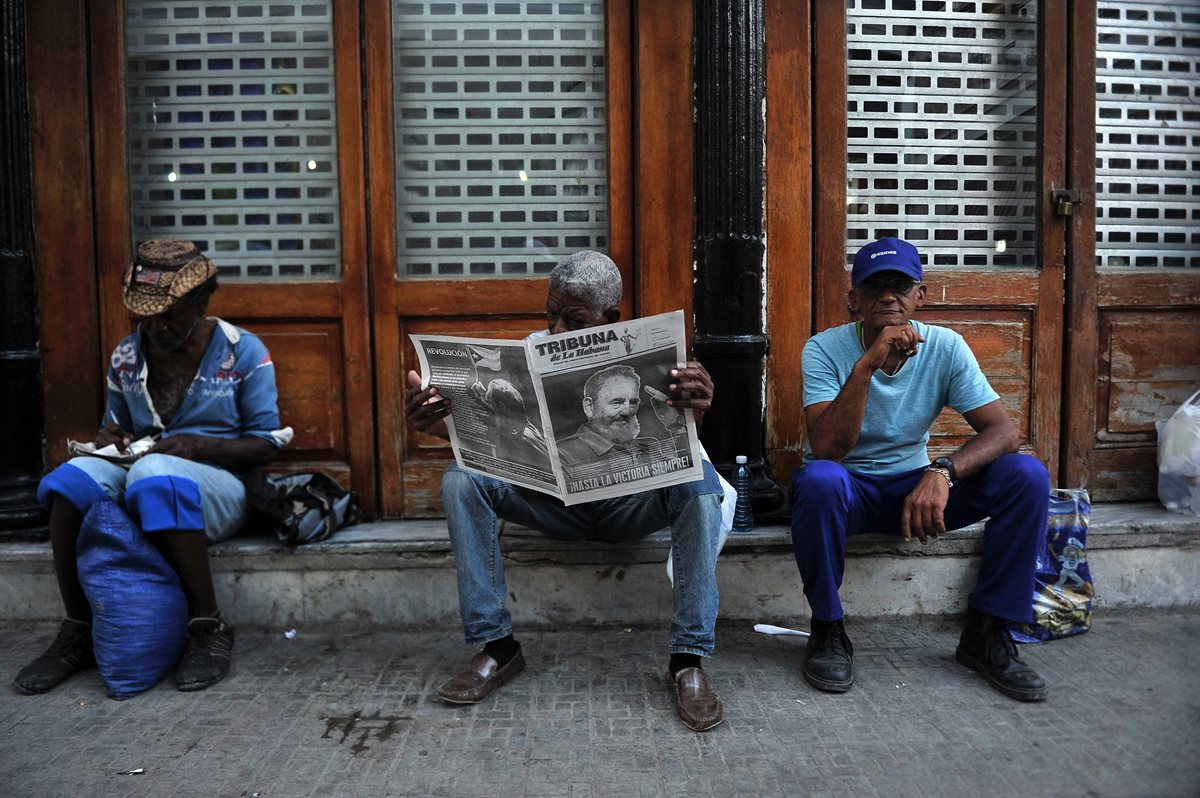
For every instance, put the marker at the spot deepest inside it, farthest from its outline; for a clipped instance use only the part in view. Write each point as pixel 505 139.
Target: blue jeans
pixel 474 503
pixel 830 503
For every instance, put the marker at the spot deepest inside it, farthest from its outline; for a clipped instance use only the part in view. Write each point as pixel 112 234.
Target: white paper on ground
pixel 768 629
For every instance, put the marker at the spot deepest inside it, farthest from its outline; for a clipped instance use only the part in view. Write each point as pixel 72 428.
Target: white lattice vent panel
pixel 1148 134
pixel 501 149
pixel 232 132
pixel 942 129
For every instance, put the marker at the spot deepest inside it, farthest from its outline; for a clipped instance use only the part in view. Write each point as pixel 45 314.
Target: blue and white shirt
pixel 233 394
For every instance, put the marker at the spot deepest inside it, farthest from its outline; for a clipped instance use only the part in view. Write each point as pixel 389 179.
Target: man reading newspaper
pixel 584 291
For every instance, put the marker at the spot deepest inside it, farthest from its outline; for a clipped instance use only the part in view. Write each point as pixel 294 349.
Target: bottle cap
pixel 741 458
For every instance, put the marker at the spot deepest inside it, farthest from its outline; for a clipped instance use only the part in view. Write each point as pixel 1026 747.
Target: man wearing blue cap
pixel 872 389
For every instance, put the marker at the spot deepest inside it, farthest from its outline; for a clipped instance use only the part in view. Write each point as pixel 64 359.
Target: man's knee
pixel 820 480
pixel 707 490
pixel 153 465
pixel 73 484
pixel 462 488
pixel 1021 472
pixel 160 499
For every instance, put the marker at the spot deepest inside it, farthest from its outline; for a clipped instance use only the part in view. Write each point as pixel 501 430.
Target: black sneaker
pixel 70 653
pixel 206 656
pixel 829 659
pixel 987 647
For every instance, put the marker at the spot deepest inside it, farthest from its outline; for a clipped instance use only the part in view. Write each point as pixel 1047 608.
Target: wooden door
pixel 479 126
pixel 943 127
pixel 238 125
pixel 1133 343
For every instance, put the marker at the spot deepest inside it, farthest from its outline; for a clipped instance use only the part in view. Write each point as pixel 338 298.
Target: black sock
pixel 679 661
pixel 502 650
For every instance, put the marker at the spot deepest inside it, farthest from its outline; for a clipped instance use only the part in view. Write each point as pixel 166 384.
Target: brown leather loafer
pixel 480 678
pixel 699 707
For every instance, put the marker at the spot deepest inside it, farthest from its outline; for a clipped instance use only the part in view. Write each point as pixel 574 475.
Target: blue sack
pixel 139 612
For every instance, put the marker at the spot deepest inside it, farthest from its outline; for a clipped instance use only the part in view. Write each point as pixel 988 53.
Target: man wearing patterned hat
pixel 872 389
pixel 205 390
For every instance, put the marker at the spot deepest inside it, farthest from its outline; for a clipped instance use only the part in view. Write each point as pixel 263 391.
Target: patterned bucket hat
pixel 163 271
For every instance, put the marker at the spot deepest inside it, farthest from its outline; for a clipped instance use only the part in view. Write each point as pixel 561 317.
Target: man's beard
pixel 618 430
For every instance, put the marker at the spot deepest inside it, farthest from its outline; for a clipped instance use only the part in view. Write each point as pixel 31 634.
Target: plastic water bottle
pixel 743 516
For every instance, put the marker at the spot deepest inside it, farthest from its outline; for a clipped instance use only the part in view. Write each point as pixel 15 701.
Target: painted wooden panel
pixel 1003 344
pixel 1152 364
pixel 308 374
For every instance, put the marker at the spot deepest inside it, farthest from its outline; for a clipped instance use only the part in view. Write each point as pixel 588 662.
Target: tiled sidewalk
pixel 325 714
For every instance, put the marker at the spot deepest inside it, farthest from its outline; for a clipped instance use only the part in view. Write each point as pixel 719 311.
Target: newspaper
pixel 520 411
pixel 111 453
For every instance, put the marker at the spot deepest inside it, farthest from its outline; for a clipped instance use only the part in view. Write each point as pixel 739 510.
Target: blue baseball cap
pixel 886 255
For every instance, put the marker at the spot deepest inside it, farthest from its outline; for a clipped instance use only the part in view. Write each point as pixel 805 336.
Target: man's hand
pixel 694 380
pixel 923 508
pixel 426 409
pixel 111 434
pixel 189 447
pixel 899 339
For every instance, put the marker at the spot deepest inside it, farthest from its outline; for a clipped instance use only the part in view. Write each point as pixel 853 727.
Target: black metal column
pixel 21 518
pixel 730 73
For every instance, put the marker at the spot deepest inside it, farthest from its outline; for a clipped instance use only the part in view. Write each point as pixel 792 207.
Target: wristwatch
pixel 948 464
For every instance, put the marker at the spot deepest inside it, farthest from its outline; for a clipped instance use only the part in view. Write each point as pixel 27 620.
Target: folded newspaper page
pixel 111 453
pixel 579 415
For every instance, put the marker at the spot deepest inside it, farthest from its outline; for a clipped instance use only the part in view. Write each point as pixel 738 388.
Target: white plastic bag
pixel 1179 458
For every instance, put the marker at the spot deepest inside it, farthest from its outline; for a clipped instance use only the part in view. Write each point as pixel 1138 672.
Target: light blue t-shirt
pixel 900 407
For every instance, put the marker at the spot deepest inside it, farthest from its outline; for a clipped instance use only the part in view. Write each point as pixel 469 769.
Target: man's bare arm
pixel 995 435
pixel 236 453
pixel 833 427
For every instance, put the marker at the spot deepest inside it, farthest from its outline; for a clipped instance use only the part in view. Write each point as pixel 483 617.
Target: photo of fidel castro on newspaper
pixel 581 415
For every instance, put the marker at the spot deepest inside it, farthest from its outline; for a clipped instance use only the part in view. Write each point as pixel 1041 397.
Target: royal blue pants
pixel 830 504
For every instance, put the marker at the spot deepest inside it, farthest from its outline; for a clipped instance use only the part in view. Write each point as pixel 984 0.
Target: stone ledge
pixel 425 543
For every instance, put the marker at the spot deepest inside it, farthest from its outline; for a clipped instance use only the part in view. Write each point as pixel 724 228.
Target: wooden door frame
pixel 792 68
pixel 343 301
pixel 1090 290
pixel 1044 286
pixel 649 98
pixel 64 234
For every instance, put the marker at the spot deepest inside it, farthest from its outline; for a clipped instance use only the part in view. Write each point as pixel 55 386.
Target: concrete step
pixel 401 574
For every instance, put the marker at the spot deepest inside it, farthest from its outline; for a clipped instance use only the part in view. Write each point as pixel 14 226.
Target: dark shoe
pixel 698 705
pixel 206 656
pixel 829 658
pixel 987 647
pixel 480 678
pixel 70 653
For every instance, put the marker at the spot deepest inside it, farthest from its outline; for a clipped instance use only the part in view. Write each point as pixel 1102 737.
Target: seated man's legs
pixel 1013 493
pixel 823 504
pixel 693 511
pixel 826 509
pixel 474 504
pixel 182 505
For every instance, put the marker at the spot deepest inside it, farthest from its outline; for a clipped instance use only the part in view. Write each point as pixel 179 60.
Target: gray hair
pixel 589 276
pixel 591 388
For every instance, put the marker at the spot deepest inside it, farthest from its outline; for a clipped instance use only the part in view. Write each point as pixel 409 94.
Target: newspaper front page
pixel 580 415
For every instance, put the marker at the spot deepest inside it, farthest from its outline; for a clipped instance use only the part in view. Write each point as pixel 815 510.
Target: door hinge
pixel 1065 201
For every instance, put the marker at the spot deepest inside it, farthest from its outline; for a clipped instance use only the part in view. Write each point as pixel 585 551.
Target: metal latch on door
pixel 1065 200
